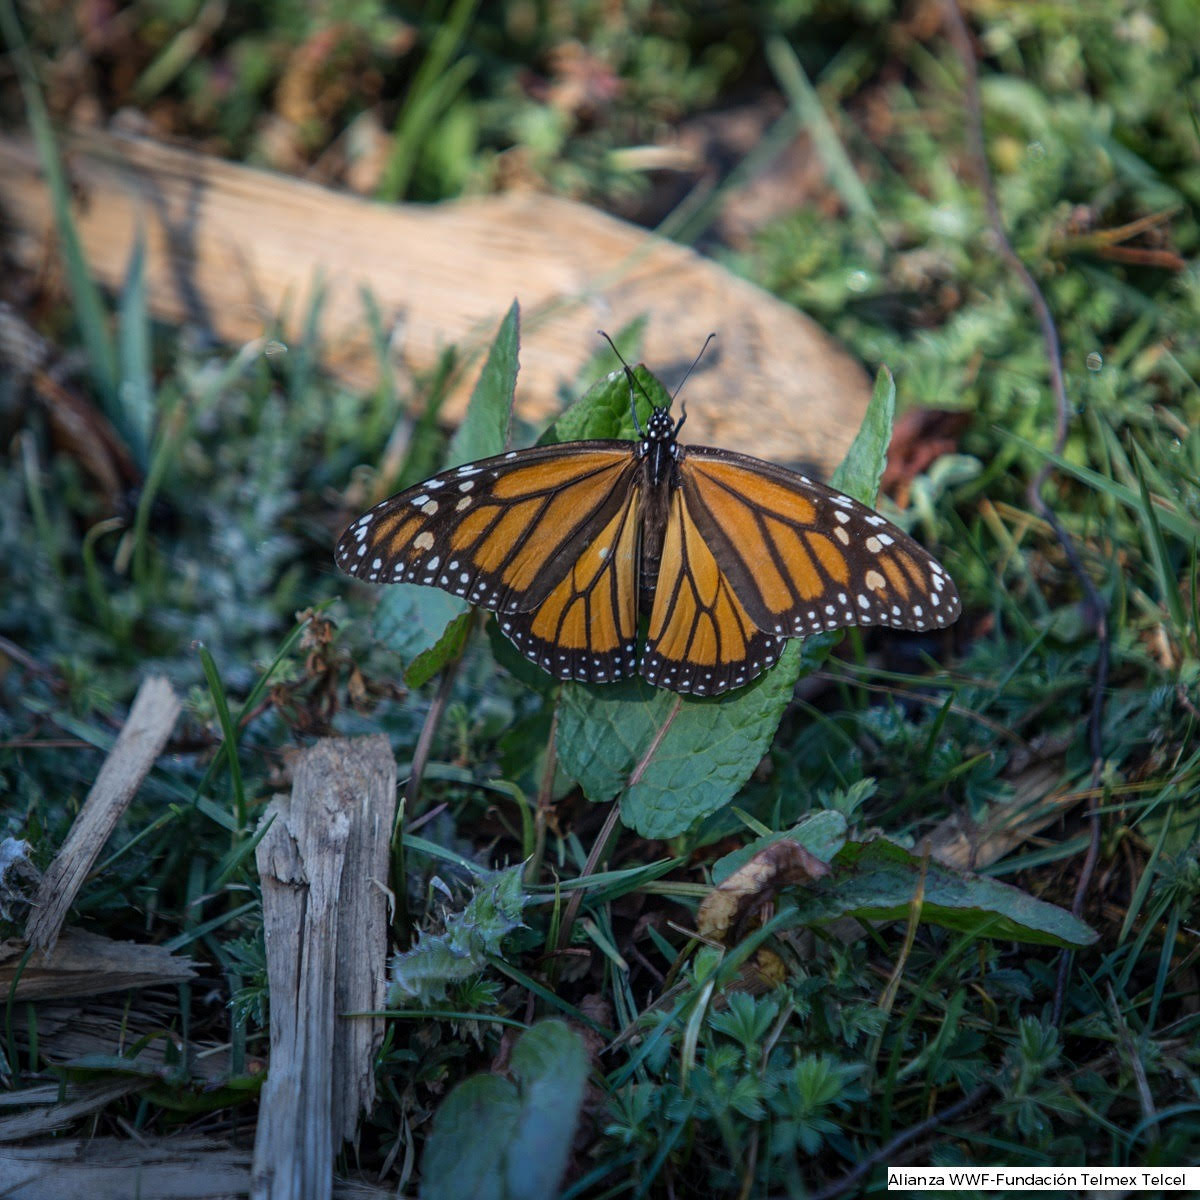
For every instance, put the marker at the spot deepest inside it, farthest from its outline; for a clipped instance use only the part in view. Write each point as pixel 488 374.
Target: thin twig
pixel 887 1154
pixel 433 718
pixel 610 823
pixel 961 38
pixel 640 770
pixel 545 798
pixel 589 867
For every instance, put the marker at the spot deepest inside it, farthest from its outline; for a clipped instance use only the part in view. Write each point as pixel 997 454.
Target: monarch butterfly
pixel 728 556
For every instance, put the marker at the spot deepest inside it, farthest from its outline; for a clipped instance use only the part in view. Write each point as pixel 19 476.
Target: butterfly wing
pixel 803 557
pixel 754 554
pixel 545 537
pixel 586 627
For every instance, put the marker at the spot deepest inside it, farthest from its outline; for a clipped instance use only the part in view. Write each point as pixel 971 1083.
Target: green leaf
pixel 859 473
pixel 628 339
pixel 551 1064
pixel 484 430
pixel 707 754
pixel 471 1131
pixel 820 833
pixel 877 881
pixel 462 948
pixel 447 648
pixel 412 620
pixel 712 745
pixel 493 1140
pixel 604 412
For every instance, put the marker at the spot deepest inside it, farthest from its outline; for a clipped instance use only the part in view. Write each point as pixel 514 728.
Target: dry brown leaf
pixel 727 908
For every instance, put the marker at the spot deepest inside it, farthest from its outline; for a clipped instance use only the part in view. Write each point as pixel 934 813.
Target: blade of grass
pixel 201 930
pixel 436 83
pixel 303 362
pixel 229 733
pixel 136 393
pixel 88 304
pixel 1179 526
pixel 174 428
pixel 384 405
pixel 790 76
pixel 101 602
pixel 46 534
pixel 545 994
pixel 1168 583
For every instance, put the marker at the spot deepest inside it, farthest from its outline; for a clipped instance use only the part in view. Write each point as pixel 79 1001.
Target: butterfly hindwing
pixel 586 627
pixel 701 639
pixel 502 532
pixel 803 557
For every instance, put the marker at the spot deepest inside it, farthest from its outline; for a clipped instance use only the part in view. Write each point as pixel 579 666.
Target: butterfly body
pixel 724 555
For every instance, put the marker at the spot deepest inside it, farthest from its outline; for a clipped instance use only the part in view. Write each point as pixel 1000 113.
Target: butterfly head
pixel 660 427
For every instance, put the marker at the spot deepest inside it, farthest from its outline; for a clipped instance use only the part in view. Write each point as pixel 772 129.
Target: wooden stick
pixel 151 719
pixel 231 248
pixel 86 964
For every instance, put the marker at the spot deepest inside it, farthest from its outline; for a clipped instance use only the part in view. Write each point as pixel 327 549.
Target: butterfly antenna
pixel 695 362
pixel 633 379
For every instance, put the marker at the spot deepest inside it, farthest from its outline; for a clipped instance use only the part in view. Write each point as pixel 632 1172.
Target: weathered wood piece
pixel 323 863
pixel 86 964
pixel 149 724
pixel 231 248
pixel 183 1168
pixel 45 1119
pixel 171 1168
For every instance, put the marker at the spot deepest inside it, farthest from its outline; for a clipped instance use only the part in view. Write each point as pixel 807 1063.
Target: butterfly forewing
pixel 804 558
pixel 503 532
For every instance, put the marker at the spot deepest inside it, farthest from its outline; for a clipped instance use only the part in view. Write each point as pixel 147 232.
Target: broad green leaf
pixel 859 473
pixel 413 620
pixel 551 1065
pixel 604 412
pixel 628 339
pixel 484 430
pixel 706 755
pixel 878 880
pixel 464 1156
pixel 493 1140
pixel 820 833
